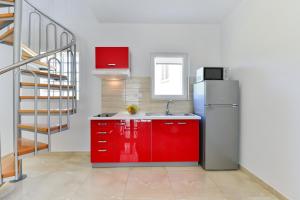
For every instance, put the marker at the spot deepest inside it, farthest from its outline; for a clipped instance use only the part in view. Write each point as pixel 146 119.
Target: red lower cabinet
pixel 120 141
pixel 144 141
pixel 175 140
pixel 105 138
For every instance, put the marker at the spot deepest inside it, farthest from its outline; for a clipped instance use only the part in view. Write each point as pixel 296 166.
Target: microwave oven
pixel 211 73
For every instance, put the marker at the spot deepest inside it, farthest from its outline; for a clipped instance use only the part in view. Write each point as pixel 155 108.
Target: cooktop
pixel 106 115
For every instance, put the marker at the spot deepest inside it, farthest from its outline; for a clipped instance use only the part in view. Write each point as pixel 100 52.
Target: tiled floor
pixel 69 176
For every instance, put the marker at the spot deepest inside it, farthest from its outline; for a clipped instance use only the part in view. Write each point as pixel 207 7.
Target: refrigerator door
pixel 221 135
pixel 221 92
pixel 199 98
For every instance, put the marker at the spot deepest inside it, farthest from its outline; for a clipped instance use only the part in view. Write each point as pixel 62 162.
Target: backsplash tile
pixel 116 95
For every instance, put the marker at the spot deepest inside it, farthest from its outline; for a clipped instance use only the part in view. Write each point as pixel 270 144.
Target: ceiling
pixel 162 11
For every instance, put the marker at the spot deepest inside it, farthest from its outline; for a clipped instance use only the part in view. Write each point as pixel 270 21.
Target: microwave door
pixel 213 73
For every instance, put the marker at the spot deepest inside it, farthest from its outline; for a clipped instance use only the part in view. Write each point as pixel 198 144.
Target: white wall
pixel 261 42
pixel 6 104
pixel 201 42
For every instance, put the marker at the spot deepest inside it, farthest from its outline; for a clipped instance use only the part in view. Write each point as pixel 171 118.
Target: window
pixel 169 76
pixel 63 57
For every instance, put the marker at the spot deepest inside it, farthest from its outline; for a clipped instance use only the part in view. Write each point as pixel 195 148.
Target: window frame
pixel 185 78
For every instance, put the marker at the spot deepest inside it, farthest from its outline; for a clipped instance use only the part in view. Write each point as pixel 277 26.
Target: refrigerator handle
pixel 232 105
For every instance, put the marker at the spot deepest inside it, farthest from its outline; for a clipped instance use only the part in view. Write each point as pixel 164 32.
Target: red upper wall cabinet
pixel 112 57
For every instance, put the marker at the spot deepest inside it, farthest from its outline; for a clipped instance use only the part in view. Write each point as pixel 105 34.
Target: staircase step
pixel 8 165
pixel 28 53
pixel 41 128
pixel 45 97
pixel 6 16
pixel 7 33
pixel 6 3
pixel 45 74
pixel 45 112
pixel 5 23
pixel 26 146
pixel 45 86
pixel 7 41
pixel 7 36
pixel 26 57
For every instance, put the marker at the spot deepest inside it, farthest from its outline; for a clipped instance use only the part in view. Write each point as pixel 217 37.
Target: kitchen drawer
pixel 107 123
pixel 102 142
pixel 107 135
pixel 102 130
pixel 107 126
pixel 102 154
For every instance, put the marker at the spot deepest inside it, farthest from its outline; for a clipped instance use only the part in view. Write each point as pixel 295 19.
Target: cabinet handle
pixel 102 141
pixel 102 150
pixel 102 133
pixel 181 123
pixel 169 123
pixel 111 64
pixel 102 124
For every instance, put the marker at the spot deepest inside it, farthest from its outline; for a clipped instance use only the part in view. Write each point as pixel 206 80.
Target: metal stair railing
pixel 67 46
pixel 35 106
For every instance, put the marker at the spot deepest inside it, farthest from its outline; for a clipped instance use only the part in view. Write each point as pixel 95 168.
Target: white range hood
pixel 112 74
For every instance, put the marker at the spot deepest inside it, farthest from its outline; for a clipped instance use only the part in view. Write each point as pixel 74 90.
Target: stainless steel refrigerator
pixel 217 102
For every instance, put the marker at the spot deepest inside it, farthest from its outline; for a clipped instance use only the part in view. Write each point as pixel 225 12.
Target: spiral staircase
pixel 44 74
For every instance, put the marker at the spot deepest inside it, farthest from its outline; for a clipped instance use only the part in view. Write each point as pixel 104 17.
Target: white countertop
pixel 142 115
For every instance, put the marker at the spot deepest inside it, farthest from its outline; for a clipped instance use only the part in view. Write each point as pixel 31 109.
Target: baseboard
pixel 146 164
pixel 263 184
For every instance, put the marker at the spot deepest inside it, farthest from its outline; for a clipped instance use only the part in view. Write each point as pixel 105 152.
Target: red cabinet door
pixel 175 141
pixel 120 141
pixel 112 57
pixel 134 142
pixel 104 137
pixel 141 134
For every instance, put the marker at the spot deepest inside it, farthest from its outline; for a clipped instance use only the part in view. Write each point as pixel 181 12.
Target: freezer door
pixel 199 101
pixel 221 92
pixel 221 137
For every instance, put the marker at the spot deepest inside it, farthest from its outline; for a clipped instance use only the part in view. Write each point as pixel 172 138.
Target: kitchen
pixel 178 100
pixel 164 137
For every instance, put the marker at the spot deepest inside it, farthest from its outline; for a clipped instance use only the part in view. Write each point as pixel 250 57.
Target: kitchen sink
pixel 171 114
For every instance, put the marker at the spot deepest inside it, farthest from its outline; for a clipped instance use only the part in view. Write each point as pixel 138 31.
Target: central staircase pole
pixel 16 85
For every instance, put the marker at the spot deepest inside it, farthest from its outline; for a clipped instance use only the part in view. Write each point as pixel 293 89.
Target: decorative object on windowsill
pixel 132 109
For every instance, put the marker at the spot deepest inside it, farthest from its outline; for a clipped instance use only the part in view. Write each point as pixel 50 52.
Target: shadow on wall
pixel 269 112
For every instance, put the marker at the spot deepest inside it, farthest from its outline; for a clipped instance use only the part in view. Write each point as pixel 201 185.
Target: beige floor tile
pixel 149 197
pixel 106 183
pixel 148 185
pixel 237 185
pixel 197 169
pixel 204 196
pixel 153 170
pixel 69 176
pixel 241 197
pixel 192 183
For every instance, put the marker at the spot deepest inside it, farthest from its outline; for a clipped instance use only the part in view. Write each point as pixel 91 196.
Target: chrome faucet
pixel 167 108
